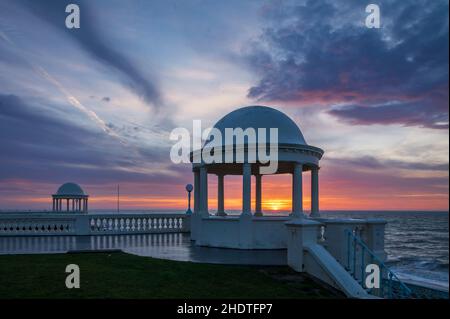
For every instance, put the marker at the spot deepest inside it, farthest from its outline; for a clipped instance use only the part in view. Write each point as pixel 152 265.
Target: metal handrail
pixel 391 276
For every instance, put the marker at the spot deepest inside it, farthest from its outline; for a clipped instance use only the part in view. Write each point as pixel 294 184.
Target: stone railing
pixel 154 223
pixel 43 224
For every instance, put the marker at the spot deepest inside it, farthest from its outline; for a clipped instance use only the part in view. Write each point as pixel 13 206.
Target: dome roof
pixel 262 117
pixel 70 189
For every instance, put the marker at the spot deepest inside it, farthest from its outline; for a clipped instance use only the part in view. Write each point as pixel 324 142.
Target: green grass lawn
pixel 120 275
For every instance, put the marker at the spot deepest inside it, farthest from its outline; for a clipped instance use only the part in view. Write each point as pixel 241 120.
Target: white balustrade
pixel 132 224
pixel 32 224
pixel 14 225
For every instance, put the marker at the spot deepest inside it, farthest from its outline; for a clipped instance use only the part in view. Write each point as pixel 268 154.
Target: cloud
pixel 39 146
pixel 371 162
pixel 96 44
pixel 408 114
pixel 321 53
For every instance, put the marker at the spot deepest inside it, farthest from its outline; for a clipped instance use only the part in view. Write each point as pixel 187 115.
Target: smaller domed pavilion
pixel 70 197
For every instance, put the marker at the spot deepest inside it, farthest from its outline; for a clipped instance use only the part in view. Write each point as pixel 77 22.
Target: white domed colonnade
pixel 295 156
pixel 70 197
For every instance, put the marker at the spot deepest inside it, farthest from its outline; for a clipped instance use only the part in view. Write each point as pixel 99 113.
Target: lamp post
pixel 189 189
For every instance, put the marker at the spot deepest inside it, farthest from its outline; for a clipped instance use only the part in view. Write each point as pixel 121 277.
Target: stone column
pixel 220 196
pixel 67 204
pixel 196 191
pixel 258 204
pixel 315 192
pixel 246 188
pixel 204 191
pixel 297 191
pixel 53 204
pixel 86 205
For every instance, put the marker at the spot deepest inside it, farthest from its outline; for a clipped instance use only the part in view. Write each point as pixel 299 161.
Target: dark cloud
pixel 321 52
pixel 41 147
pixel 409 114
pixel 96 44
pixel 370 162
pixel 106 99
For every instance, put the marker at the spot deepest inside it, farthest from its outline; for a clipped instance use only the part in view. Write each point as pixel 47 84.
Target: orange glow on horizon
pixel 276 196
pixel 269 203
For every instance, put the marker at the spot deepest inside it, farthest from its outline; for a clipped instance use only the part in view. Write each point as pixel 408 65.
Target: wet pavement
pixel 165 246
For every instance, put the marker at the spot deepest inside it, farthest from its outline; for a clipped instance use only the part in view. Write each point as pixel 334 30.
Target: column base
pixel 258 214
pixel 204 213
pixel 314 214
pixel 298 215
pixel 221 214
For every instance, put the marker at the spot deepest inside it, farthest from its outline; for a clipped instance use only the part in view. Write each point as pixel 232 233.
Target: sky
pixel 96 105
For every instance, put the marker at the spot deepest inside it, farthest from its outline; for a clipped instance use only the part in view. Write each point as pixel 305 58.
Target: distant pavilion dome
pixel 70 197
pixel 263 117
pixel 70 189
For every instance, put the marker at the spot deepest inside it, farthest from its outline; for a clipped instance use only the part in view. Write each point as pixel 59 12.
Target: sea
pixel 416 242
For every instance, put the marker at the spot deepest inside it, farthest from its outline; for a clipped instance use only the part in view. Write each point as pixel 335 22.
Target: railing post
pixel 348 250
pixel 374 234
pixel 300 233
pixel 82 225
pixel 186 224
pixel 390 285
pixel 354 256
pixel 362 266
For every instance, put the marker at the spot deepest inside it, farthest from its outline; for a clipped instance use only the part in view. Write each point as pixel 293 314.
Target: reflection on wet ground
pixel 167 246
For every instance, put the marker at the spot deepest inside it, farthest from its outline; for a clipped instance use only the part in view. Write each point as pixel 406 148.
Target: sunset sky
pixel 96 105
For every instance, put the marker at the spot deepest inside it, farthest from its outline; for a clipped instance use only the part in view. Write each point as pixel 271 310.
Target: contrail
pixel 75 103
pixel 71 99
pixel 5 38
